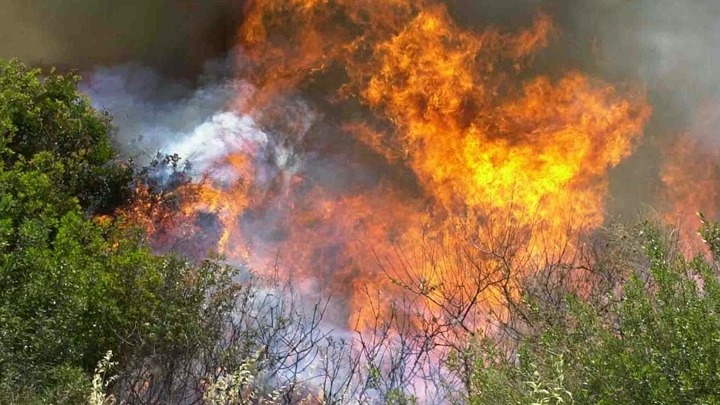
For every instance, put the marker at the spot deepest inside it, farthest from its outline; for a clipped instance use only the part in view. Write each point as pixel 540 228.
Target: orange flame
pixel 461 112
pixel 690 177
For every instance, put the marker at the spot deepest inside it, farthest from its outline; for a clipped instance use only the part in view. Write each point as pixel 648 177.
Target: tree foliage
pixel 74 286
pixel 45 114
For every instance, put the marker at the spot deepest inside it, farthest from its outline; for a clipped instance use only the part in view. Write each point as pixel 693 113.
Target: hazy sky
pixel 173 35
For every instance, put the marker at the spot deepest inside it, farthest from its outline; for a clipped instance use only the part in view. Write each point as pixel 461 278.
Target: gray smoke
pixel 670 47
pixel 150 112
pixel 174 36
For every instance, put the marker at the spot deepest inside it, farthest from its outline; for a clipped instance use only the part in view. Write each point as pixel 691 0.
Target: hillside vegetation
pixel 631 322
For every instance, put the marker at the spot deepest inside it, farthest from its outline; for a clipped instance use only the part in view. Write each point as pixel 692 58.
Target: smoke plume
pixel 315 135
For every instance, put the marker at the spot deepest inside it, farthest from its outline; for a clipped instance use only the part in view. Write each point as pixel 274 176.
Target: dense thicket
pixel 646 334
pixel 73 287
pixel 626 320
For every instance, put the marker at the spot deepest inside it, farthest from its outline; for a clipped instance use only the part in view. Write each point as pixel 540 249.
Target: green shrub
pixel 655 342
pixel 71 287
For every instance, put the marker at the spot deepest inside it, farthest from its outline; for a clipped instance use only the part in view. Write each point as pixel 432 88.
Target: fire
pixel 486 144
pixel 543 145
pixel 690 176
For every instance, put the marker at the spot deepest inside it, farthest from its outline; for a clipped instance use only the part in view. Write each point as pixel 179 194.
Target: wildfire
pixel 489 145
pixel 542 147
pixel 690 177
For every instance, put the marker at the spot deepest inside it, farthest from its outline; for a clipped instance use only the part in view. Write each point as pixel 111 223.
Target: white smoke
pixel 203 126
pixel 150 114
pixel 210 143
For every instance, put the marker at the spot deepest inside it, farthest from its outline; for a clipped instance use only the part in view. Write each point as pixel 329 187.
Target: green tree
pixel 46 114
pixel 73 287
